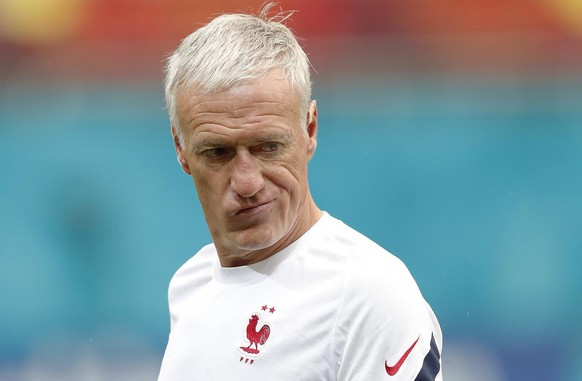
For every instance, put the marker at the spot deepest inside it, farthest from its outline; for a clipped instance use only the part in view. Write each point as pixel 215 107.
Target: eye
pixel 216 153
pixel 268 147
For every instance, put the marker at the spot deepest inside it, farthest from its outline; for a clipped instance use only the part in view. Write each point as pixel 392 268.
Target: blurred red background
pixel 109 39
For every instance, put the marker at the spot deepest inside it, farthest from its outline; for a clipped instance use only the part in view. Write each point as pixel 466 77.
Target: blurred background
pixel 450 133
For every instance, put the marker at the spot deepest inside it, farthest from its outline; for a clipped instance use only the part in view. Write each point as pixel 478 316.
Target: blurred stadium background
pixel 450 132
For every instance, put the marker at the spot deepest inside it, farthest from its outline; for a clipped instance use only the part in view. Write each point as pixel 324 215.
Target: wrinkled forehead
pixel 272 89
pixel 268 98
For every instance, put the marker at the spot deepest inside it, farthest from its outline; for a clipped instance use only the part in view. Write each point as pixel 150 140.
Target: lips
pixel 249 210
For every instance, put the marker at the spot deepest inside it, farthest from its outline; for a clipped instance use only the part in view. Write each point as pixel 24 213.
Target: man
pixel 285 291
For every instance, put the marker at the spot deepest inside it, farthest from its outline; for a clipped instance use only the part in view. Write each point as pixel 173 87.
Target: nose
pixel 247 179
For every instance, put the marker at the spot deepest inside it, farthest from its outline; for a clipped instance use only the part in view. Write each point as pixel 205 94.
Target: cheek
pixel 290 178
pixel 205 186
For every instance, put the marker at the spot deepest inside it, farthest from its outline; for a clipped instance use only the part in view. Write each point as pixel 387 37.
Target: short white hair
pixel 234 50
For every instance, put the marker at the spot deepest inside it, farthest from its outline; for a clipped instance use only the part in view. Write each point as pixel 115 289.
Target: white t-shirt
pixel 332 306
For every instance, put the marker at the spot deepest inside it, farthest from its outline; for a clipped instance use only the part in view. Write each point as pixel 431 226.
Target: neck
pixel 239 257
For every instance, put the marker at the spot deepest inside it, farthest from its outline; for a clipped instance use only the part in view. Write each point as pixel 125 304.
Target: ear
pixel 311 129
pixel 180 152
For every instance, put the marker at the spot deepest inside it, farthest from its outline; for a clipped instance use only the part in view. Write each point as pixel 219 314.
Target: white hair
pixel 233 50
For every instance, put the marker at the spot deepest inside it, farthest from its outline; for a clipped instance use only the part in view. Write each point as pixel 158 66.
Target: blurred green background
pixel 450 133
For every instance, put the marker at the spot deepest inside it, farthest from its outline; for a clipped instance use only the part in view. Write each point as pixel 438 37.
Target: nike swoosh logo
pixel 392 370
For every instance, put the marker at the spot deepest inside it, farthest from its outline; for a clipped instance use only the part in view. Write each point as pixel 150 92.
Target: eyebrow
pixel 273 136
pixel 205 143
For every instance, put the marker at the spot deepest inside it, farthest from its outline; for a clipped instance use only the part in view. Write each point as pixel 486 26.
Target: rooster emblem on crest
pixel 256 337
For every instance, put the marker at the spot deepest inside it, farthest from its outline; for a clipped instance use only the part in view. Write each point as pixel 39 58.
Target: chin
pixel 253 241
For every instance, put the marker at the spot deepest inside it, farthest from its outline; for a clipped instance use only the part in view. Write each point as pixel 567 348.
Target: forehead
pixel 269 97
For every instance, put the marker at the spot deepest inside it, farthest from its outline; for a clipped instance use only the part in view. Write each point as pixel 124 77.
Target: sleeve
pixel 386 330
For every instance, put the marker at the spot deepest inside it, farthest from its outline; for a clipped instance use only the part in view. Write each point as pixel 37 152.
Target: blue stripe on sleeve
pixel 431 364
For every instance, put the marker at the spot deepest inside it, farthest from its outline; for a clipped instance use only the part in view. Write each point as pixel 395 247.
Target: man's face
pixel 247 150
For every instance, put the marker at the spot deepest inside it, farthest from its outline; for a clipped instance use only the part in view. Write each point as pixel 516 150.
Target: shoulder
pixel 334 234
pixel 379 288
pixel 366 261
pixel 383 312
pixel 193 273
pixel 372 274
pixel 379 279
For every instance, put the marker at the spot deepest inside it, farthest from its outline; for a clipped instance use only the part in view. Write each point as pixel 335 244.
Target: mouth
pixel 249 210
